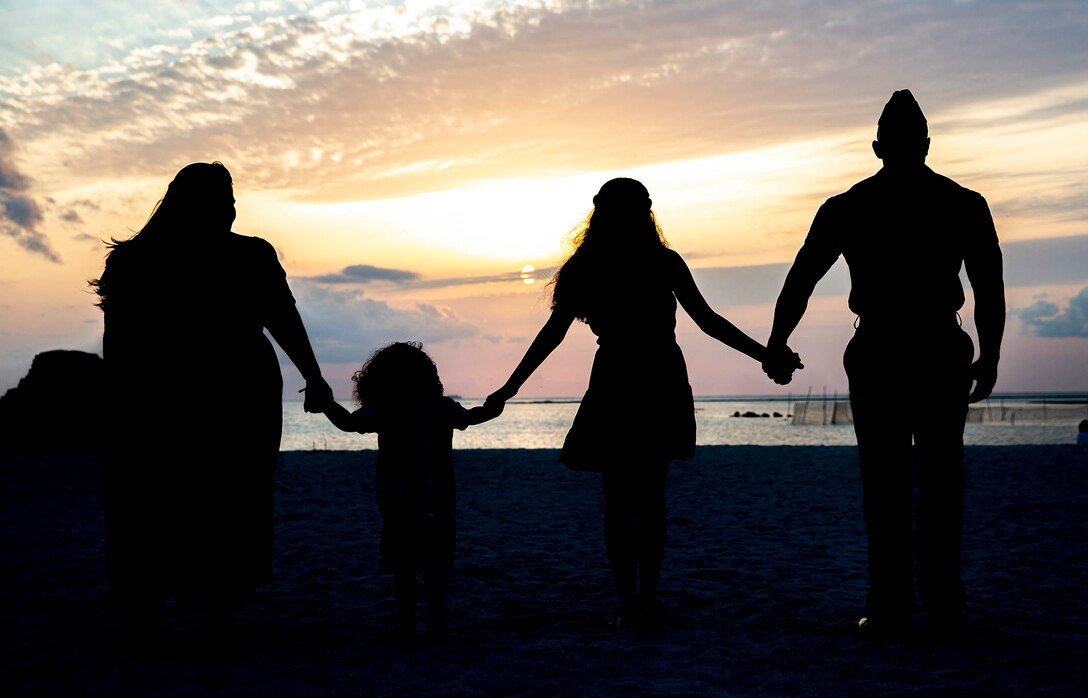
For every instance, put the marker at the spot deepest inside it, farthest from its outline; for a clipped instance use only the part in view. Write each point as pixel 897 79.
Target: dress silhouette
pixel 194 400
pixel 637 413
pixel 905 233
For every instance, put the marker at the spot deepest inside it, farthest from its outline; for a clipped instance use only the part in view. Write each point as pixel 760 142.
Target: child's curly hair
pixel 399 374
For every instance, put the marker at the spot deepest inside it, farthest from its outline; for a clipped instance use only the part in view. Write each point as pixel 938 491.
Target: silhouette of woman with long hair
pixel 637 414
pixel 194 401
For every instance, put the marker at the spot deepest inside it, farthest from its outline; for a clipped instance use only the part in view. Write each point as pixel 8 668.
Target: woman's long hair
pixel 620 232
pixel 198 196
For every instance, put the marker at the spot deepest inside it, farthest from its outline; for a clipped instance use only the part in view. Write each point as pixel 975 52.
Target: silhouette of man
pixel 905 232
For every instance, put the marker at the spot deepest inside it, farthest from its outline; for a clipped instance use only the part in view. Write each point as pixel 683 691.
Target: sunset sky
pixel 418 165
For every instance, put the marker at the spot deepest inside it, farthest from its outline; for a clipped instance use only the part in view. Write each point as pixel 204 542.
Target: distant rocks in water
pixel 56 407
pixel 760 415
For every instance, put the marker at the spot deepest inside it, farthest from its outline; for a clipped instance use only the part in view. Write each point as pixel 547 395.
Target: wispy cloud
pixel 347 102
pixel 20 214
pixel 362 274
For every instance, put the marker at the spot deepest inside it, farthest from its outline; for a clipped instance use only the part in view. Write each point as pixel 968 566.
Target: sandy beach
pixel 764 572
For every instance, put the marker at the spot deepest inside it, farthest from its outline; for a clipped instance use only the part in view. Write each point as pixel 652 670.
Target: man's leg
pixel 884 453
pixel 939 455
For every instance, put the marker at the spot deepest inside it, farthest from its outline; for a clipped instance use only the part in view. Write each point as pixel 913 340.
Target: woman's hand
pixel 500 396
pixel 779 364
pixel 491 408
pixel 318 395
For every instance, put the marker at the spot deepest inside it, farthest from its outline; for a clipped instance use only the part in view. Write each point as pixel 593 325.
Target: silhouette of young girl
pixel 401 400
pixel 186 303
pixel 637 413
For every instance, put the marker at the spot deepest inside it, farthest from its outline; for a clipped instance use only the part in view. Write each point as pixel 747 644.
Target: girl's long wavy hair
pixel 399 375
pixel 620 230
pixel 198 195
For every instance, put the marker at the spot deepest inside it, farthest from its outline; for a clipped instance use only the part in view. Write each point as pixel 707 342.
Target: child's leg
pixel 404 590
pixel 435 587
pixel 619 539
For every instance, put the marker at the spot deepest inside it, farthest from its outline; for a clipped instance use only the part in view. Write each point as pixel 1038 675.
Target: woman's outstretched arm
pixel 547 339
pixel 710 322
pixel 287 329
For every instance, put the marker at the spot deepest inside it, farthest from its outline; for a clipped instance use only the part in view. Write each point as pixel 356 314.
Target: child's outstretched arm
pixel 344 420
pixel 485 412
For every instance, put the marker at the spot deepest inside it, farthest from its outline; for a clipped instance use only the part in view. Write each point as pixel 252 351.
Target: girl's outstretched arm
pixel 362 422
pixel 547 339
pixel 483 413
pixel 710 322
pixel 338 415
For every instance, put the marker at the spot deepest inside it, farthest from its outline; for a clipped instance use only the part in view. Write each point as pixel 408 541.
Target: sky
pixel 420 165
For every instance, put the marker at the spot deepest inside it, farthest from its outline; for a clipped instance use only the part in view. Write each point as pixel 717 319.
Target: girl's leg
pixel 619 539
pixel 650 533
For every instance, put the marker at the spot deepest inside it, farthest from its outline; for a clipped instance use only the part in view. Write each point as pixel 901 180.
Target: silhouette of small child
pixel 1082 433
pixel 401 400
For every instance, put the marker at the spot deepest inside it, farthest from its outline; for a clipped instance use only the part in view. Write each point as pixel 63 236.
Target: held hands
pixel 496 401
pixel 318 396
pixel 779 363
pixel 491 408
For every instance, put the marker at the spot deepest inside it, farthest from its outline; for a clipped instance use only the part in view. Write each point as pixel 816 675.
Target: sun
pixel 527 277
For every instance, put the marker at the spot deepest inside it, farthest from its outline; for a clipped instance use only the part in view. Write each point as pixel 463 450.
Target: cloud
pixel 760 284
pixel 378 101
pixel 365 274
pixel 1046 261
pixel 1047 319
pixel 345 326
pixel 522 277
pixel 20 215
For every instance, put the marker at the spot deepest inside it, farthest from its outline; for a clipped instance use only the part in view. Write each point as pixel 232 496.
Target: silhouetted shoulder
pixel 862 188
pixel 954 188
pixel 255 246
pixel 672 258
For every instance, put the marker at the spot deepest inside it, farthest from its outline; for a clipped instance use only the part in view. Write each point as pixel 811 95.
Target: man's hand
pixel 984 375
pixel 780 363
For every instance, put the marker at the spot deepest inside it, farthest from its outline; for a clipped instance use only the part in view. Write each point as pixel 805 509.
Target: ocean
pixel 772 421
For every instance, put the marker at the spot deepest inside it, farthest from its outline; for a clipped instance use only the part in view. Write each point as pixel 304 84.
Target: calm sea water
pixel 543 424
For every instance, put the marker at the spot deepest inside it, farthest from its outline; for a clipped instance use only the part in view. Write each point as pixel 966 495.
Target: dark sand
pixel 765 572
